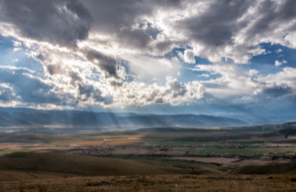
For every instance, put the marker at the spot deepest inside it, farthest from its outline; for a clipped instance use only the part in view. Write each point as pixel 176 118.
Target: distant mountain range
pixel 84 119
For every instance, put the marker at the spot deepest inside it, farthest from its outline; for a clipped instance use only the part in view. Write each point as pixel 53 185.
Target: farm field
pixel 260 151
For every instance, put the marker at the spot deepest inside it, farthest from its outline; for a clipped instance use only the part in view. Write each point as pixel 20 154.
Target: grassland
pixel 162 160
pixel 20 151
pixel 259 151
pixel 75 164
pixel 186 183
pixel 44 172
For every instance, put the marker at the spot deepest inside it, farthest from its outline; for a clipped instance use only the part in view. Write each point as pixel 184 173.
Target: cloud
pixel 189 56
pixel 16 43
pixel 277 91
pixel 17 49
pixel 220 29
pixel 173 92
pixel 7 92
pixel 28 88
pixel 107 63
pixel 59 22
pixel 253 72
pixel 278 63
pixel 109 53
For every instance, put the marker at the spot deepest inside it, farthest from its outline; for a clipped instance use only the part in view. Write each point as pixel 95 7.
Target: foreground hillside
pixel 42 172
pixel 234 183
pixel 75 164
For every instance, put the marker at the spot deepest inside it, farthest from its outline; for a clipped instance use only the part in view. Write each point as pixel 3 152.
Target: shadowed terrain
pixel 75 164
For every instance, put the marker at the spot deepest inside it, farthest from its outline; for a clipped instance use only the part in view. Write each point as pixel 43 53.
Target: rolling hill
pixel 75 164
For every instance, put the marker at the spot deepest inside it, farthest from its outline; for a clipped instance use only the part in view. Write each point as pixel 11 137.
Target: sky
pixel 215 57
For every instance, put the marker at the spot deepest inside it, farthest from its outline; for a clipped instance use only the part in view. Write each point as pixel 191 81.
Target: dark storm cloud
pixel 277 91
pixel 54 69
pixel 106 63
pixel 216 25
pixel 135 38
pixel 116 83
pixel 117 18
pixel 89 91
pixel 235 28
pixel 112 15
pixel 60 22
pixel 272 15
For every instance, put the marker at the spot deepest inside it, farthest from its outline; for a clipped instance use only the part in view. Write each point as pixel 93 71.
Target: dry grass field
pixel 45 172
pixel 226 162
pixel 235 183
pixel 75 164
pixel 147 161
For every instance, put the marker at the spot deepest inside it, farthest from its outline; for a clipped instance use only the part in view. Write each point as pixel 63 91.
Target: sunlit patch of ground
pixel 8 152
pixel 11 146
pixel 231 162
pixel 119 136
pixel 82 143
pixel 122 142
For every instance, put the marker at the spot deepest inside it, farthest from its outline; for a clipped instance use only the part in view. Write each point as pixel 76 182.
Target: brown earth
pixel 271 168
pixel 122 142
pixel 27 175
pixel 186 183
pixel 75 164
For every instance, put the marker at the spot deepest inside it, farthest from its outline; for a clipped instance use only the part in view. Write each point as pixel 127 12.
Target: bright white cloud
pixel 17 43
pixel 278 63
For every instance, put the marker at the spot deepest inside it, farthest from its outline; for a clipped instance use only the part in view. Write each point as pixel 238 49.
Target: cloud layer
pixel 136 53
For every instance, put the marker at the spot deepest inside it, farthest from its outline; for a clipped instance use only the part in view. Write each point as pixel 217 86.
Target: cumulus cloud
pixel 189 56
pixel 173 92
pixel 107 63
pixel 253 72
pixel 232 29
pixel 278 63
pixel 16 43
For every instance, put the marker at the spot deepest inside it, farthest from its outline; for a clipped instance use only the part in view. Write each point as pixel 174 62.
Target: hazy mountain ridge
pixel 102 119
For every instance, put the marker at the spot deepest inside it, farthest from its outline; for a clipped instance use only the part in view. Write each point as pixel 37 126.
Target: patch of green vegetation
pixel 188 143
pixel 176 143
pixel 17 151
pixel 248 143
pixel 244 151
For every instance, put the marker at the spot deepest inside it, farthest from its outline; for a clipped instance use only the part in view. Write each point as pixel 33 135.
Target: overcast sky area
pixel 215 57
